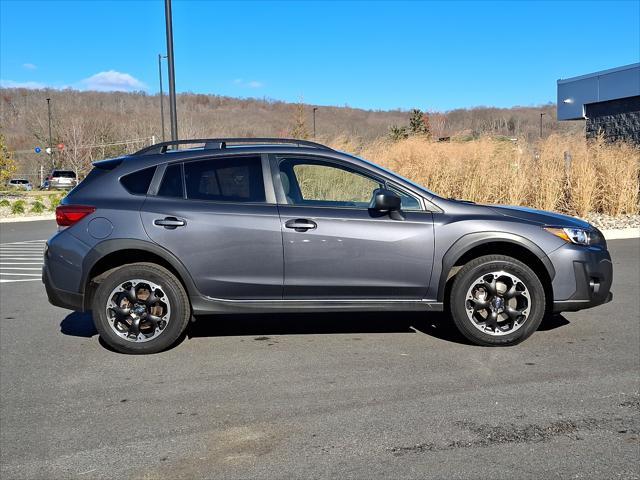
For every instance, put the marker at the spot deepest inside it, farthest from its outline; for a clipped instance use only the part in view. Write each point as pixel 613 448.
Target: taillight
pixel 67 215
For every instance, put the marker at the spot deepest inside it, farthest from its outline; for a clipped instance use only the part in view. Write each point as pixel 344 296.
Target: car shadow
pixel 78 324
pixel 436 325
pixel 551 322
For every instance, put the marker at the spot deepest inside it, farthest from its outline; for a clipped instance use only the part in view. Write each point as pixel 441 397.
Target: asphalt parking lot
pixel 297 396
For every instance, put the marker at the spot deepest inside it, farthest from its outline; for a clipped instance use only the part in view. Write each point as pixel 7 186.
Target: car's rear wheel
pixel 497 300
pixel 140 308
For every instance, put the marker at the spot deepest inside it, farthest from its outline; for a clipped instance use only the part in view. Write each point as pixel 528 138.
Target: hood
pixel 541 217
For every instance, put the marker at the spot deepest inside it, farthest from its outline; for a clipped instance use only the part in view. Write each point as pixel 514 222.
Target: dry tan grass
pixel 562 173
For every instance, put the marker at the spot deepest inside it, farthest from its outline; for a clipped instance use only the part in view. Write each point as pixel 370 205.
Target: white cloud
pixel 248 84
pixel 29 85
pixel 111 80
pixel 29 66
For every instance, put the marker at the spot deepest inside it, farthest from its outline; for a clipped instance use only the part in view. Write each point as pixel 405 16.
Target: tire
pixel 172 301
pixel 473 287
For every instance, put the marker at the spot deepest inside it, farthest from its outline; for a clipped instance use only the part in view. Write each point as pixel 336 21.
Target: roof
pixel 602 86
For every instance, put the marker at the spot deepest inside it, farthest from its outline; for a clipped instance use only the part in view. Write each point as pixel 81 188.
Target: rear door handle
pixel 169 223
pixel 301 224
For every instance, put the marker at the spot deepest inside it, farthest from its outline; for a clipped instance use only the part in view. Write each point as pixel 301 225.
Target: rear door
pixel 217 218
pixel 335 247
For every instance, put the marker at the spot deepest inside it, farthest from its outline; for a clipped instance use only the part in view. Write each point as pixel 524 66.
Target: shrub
pixel 37 207
pixel 17 207
pixel 5 203
pixel 54 201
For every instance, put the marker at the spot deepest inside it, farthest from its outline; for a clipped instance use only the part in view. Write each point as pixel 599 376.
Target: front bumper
pixel 583 277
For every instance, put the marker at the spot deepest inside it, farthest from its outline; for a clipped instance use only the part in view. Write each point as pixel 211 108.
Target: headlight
pixel 579 236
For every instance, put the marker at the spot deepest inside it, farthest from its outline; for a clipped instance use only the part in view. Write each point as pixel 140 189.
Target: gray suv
pixel 149 240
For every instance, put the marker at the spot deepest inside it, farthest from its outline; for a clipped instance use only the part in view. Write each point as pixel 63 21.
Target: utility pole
pixel 160 57
pixel 53 163
pixel 314 122
pixel 172 75
pixel 541 114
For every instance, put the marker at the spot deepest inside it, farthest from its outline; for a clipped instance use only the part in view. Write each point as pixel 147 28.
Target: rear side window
pixel 171 185
pixel 138 182
pixel 225 180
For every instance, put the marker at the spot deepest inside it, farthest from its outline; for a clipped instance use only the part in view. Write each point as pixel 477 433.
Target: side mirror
pixel 386 201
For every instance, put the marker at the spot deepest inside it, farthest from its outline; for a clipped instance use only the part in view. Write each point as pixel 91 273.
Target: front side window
pixel 225 180
pixel 316 183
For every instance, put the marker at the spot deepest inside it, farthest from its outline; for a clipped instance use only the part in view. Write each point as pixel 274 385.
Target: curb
pixel 33 218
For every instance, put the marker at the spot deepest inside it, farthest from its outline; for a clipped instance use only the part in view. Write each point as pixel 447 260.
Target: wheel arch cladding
pixel 475 245
pixel 117 252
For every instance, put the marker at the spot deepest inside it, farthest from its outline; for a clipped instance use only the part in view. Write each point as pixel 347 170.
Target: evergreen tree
pixel 7 164
pixel 397 133
pixel 418 123
pixel 299 123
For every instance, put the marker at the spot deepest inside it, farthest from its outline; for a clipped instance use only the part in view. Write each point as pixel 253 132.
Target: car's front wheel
pixel 497 300
pixel 140 308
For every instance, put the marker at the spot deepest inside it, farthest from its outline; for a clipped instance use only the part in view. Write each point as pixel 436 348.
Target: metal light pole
pixel 314 122
pixel 172 75
pixel 160 57
pixel 541 114
pixel 53 163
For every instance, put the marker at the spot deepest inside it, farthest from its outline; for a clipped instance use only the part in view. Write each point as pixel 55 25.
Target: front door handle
pixel 301 224
pixel 169 223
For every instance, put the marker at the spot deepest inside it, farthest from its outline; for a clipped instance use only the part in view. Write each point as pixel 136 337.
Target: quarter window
pixel 225 180
pixel 138 182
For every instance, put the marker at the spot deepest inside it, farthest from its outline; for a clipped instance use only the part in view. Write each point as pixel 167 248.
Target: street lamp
pixel 314 122
pixel 541 114
pixel 172 74
pixel 160 57
pixel 50 150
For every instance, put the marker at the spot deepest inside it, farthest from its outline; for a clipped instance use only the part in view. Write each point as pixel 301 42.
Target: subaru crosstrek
pixel 149 240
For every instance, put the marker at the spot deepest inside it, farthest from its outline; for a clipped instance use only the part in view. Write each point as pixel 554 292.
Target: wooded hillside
pixel 87 121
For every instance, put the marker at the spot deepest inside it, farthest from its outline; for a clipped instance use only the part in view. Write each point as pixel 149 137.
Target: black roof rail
pixel 221 143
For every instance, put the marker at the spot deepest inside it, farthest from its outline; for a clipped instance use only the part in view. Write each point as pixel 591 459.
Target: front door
pixel 335 247
pixel 215 217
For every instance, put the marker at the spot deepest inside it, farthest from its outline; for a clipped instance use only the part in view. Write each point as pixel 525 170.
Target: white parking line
pixel 2 280
pixel 21 259
pixel 21 274
pixel 19 263
pixel 19 268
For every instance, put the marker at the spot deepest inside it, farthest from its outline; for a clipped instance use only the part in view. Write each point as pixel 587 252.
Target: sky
pixel 435 56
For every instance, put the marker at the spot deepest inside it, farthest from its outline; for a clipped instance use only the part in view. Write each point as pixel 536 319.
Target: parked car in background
pixel 62 179
pixel 20 184
pixel 274 225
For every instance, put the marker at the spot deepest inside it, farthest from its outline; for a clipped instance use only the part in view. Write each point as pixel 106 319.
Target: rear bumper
pixel 61 298
pixel 583 278
pixel 62 185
